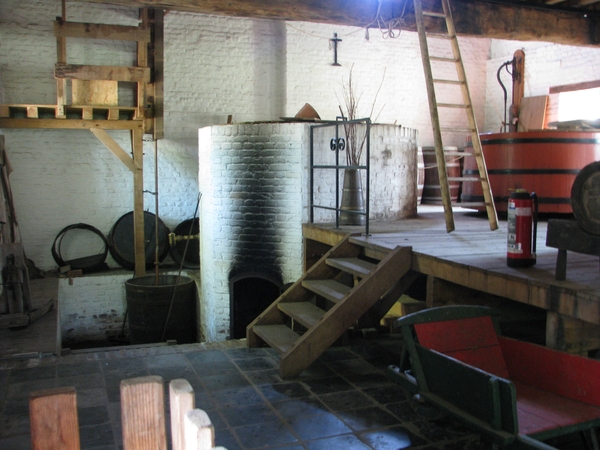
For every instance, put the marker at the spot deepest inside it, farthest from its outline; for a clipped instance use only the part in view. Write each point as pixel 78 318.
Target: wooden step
pixel 279 337
pixel 329 289
pixel 304 313
pixel 354 266
pixel 439 36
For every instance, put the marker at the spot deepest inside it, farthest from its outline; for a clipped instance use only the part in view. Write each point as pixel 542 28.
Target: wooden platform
pixel 474 258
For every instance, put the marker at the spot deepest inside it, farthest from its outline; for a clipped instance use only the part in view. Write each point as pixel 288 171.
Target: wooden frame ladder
pixel 466 105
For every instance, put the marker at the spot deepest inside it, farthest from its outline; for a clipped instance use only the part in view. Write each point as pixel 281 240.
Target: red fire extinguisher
pixel 522 228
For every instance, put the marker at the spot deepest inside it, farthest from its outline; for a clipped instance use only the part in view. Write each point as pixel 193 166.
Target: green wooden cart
pixel 515 393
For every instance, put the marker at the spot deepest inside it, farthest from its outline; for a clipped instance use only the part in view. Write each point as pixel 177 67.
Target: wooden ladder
pixel 332 295
pixel 466 105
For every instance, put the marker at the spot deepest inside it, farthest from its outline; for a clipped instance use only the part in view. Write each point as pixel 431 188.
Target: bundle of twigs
pixel 355 140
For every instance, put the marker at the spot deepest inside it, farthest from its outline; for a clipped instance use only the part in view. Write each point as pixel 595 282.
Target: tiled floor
pixel 343 401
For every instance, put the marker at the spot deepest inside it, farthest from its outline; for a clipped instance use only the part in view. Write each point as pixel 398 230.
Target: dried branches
pixel 355 139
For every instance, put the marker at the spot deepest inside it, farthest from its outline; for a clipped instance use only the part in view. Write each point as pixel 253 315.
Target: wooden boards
pixel 532 114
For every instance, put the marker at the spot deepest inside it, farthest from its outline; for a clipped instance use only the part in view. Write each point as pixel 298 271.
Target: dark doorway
pixel 250 294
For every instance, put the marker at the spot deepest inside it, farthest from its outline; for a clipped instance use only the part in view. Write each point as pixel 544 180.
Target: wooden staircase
pixel 331 296
pixel 454 59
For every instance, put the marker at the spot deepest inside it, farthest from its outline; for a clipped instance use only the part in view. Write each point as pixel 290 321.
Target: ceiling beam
pixel 492 19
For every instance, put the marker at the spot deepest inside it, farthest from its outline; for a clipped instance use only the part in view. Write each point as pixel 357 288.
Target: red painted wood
pixel 563 374
pixel 540 410
pixel 459 334
pixel 488 359
pixel 472 341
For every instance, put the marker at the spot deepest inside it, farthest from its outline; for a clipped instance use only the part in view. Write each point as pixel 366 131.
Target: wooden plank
pixel 13 320
pixel 304 313
pixel 71 124
pixel 571 335
pixel 143 413
pixel 100 31
pixel 199 432
pixel 181 401
pixel 142 61
pixel 532 114
pixel 329 289
pixel 53 419
pixel 279 337
pixel 158 70
pixel 138 202
pixel 354 266
pixel 115 148
pixel 95 92
pixel 114 73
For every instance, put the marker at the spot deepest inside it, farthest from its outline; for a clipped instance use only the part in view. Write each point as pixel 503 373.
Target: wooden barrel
pixel 420 175
pixel 431 188
pixel 585 198
pixel 545 162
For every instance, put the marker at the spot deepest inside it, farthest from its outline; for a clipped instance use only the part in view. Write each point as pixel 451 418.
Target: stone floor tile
pixel 292 409
pixel 394 438
pixel 340 401
pixel 264 434
pixel 328 385
pixel 370 418
pixel 284 391
pixel 346 442
pixel 318 426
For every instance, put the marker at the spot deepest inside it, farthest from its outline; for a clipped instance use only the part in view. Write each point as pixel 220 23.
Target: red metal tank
pixel 545 162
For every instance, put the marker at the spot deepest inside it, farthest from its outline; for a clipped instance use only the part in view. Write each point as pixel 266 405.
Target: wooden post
pixel 143 413
pixel 181 400
pixel 53 417
pixel 199 433
pixel 138 202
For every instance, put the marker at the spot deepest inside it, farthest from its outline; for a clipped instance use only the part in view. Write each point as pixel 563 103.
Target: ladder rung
pixel 458 130
pixel 452 105
pixel 439 36
pixel 464 179
pixel 472 204
pixel 434 14
pixel 447 153
pixel 437 80
pixel 444 59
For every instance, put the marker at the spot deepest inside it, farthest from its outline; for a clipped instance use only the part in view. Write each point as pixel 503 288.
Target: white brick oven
pixel 254 181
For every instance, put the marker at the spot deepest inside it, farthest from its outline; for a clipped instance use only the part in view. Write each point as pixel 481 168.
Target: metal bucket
pixel 148 309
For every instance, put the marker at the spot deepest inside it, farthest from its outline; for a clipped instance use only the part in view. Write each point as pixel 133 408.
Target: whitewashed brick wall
pixel 254 187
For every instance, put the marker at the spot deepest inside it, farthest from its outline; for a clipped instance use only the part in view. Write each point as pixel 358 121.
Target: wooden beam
pixel 158 68
pixel 115 148
pixel 101 31
pixel 482 19
pixel 114 73
pixel 138 202
pixel 71 124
